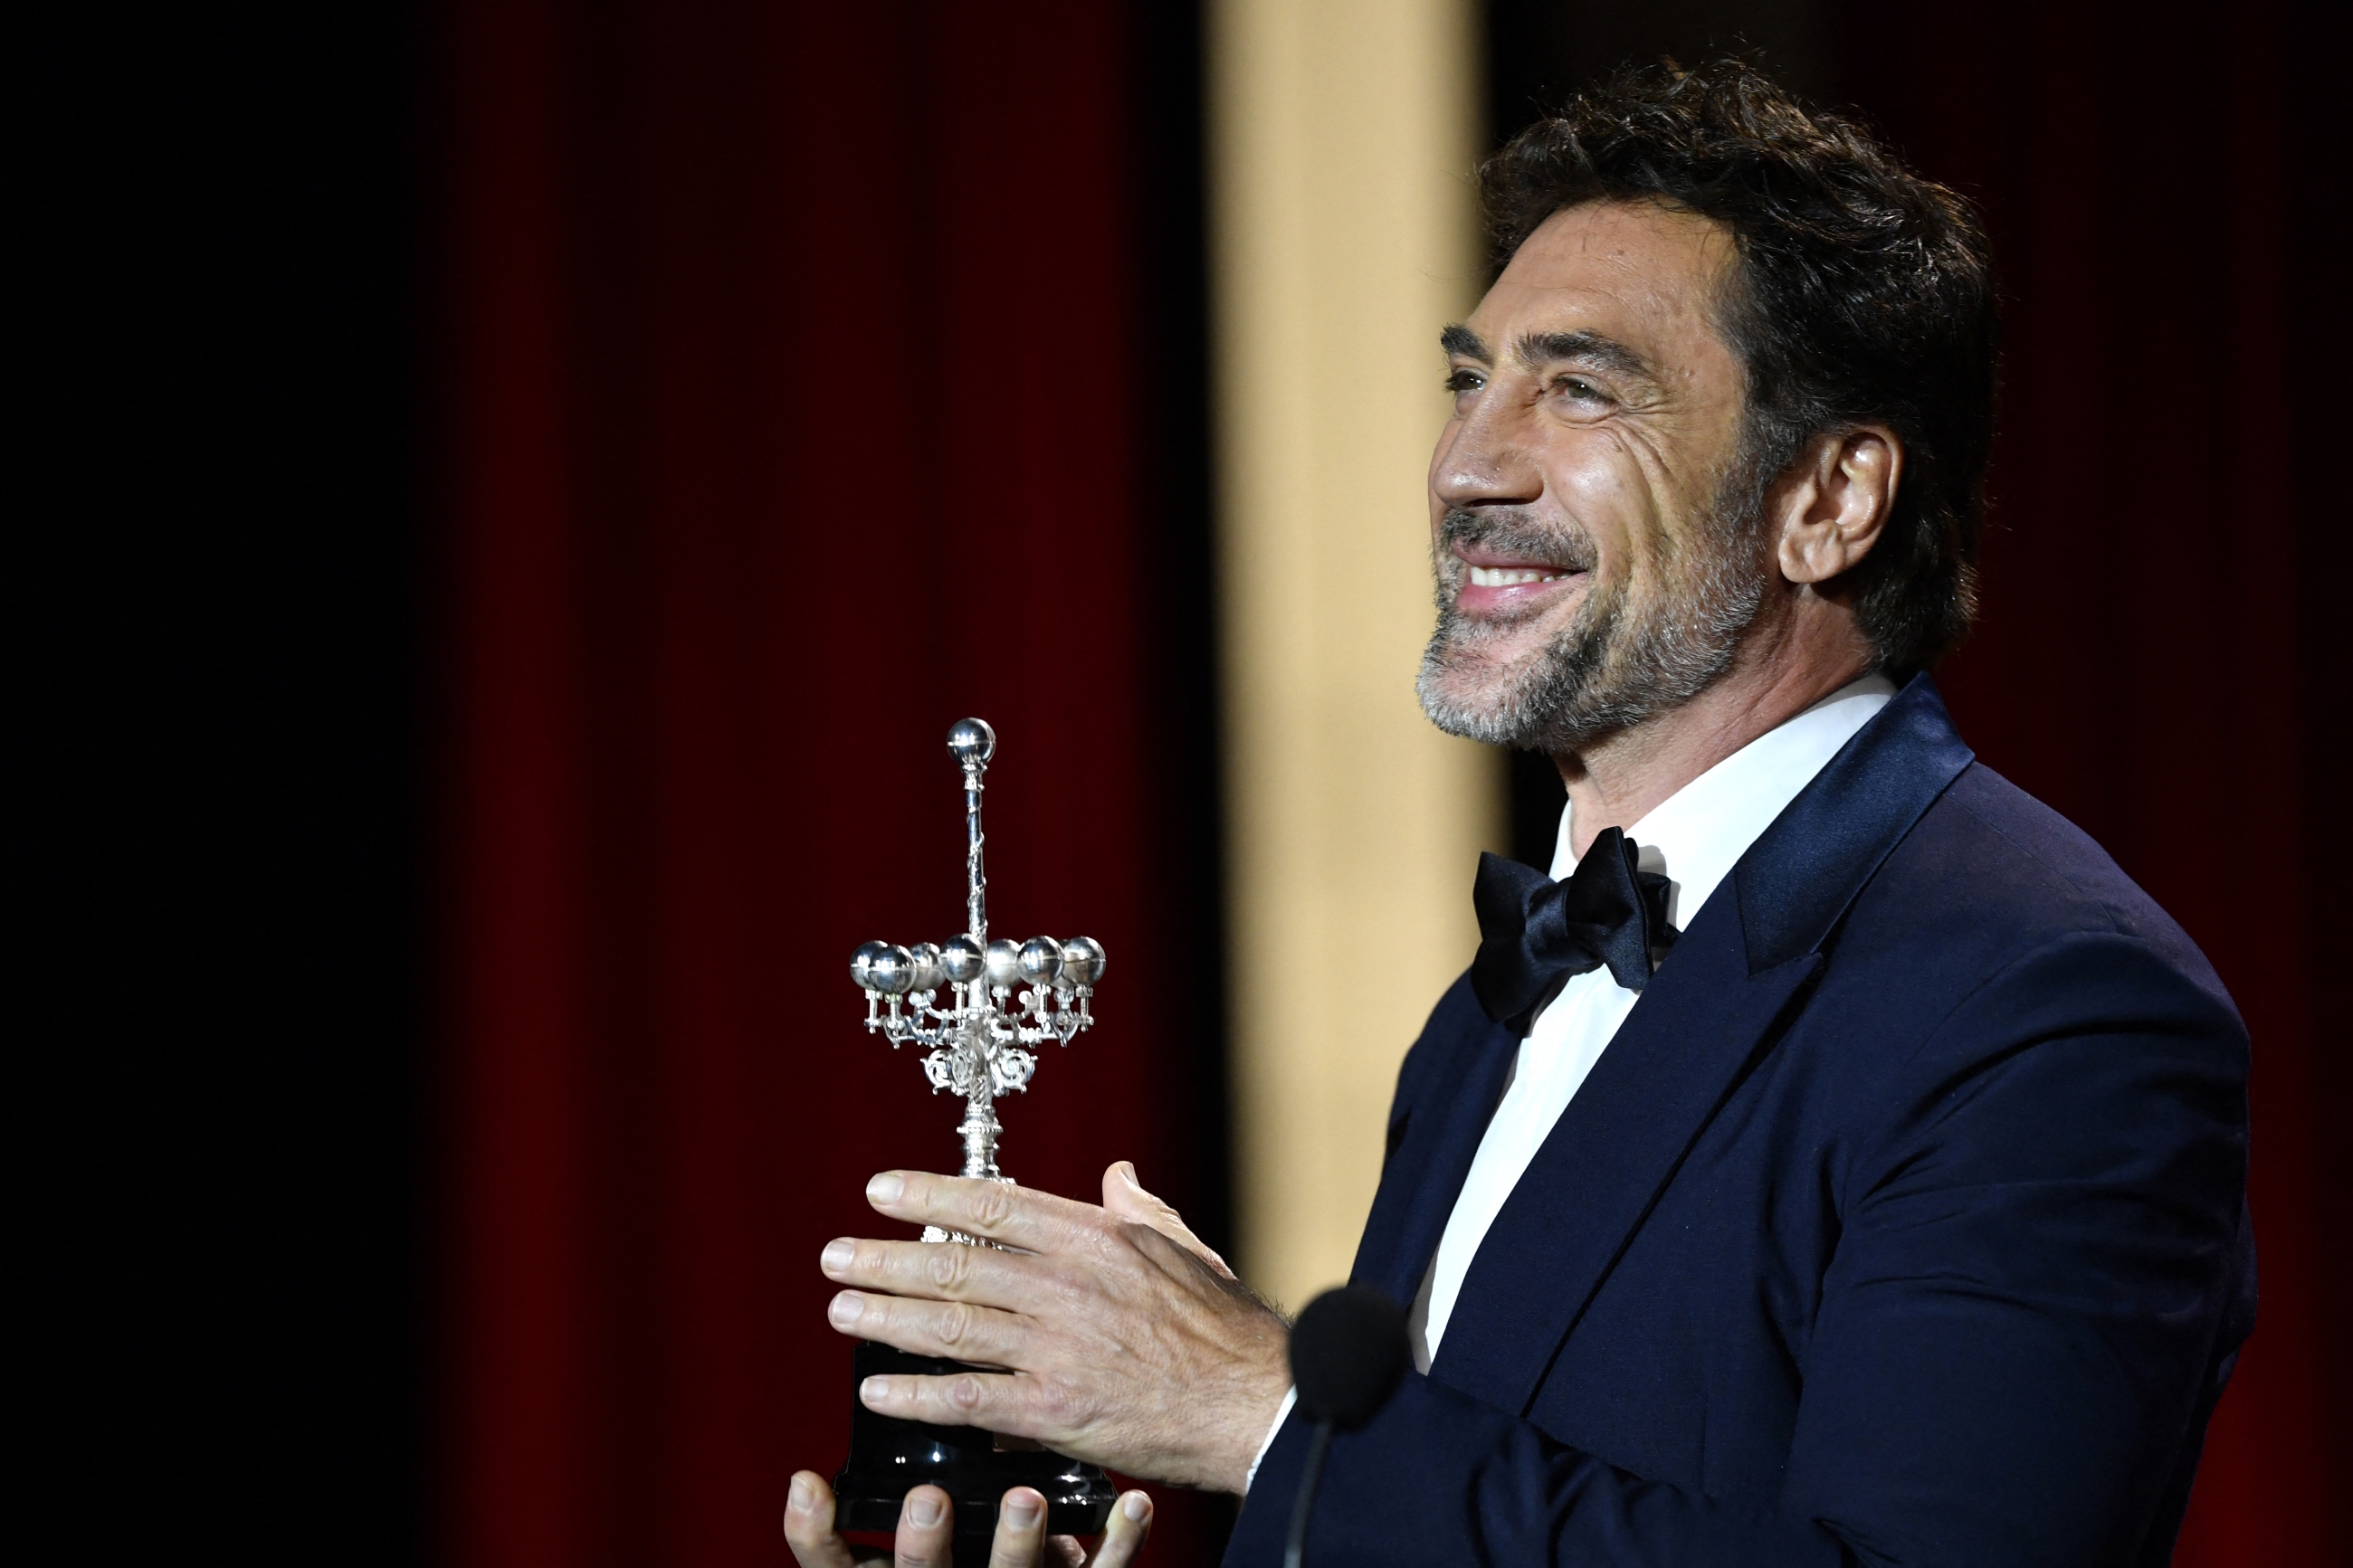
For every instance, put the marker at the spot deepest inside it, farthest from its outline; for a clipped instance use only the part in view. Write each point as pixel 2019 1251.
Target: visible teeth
pixel 1510 576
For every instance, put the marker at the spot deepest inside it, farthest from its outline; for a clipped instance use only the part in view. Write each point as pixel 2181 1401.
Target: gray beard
pixel 1617 664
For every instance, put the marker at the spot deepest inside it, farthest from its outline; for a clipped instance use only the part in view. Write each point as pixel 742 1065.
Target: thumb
pixel 1125 1199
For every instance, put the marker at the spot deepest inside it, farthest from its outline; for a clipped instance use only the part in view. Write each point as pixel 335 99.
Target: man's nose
pixel 1481 459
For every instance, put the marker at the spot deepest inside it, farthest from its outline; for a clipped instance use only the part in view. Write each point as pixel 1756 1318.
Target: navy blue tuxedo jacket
pixel 1903 1222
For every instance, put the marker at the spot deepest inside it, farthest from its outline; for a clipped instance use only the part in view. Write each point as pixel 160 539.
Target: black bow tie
pixel 1534 932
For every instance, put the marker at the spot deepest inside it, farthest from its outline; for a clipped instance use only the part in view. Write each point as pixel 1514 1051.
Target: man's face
pixel 1593 526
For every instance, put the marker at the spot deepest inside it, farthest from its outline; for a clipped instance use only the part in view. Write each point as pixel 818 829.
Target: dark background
pixel 216 686
pixel 448 483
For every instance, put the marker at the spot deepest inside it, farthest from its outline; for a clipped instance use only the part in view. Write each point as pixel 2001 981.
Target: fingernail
pixel 846 1309
pixel 922 1510
pixel 1135 1505
pixel 874 1391
pixel 836 1256
pixel 1021 1513
pixel 885 1188
pixel 804 1496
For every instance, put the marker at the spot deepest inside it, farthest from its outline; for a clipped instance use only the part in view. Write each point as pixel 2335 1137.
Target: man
pixel 1844 1161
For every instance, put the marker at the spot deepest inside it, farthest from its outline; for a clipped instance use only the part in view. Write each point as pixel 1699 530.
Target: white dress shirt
pixel 1694 835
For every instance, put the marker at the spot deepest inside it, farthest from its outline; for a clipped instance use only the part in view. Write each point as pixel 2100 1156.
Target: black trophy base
pixel 888 1457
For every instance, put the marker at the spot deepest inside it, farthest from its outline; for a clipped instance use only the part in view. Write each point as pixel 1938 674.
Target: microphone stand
pixel 1294 1550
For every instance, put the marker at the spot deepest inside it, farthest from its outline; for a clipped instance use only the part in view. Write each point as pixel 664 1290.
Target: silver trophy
pixel 979 1041
pixel 1003 998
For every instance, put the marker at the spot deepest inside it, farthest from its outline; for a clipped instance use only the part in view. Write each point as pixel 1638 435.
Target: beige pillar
pixel 1343 235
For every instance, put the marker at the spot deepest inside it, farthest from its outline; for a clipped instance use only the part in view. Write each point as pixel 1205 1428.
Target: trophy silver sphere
pixel 1041 960
pixel 861 963
pixel 1004 962
pixel 971 741
pixel 961 957
pixel 1082 961
pixel 892 972
pixel 930 972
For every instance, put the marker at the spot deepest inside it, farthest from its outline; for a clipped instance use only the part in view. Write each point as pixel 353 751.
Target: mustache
pixel 1511 532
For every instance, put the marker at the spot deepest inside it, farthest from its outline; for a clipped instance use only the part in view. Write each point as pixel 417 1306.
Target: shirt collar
pixel 1701 831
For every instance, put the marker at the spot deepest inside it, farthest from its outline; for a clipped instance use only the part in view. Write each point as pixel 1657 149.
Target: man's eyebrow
pixel 1458 339
pixel 1536 350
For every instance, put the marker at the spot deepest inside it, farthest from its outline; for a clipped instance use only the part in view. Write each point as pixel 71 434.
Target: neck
pixel 1622 778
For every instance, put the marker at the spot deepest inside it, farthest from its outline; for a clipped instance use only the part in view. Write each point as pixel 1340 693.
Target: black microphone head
pixel 1348 1353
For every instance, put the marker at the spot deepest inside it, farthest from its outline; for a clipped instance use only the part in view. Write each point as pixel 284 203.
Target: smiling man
pixel 1836 1159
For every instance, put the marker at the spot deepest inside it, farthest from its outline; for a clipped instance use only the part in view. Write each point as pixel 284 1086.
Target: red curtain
pixel 2161 653
pixel 792 355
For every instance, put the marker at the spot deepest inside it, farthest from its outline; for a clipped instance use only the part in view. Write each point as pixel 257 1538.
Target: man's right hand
pixel 927 1526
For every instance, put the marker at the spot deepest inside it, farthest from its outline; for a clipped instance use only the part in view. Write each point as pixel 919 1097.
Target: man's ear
pixel 1832 502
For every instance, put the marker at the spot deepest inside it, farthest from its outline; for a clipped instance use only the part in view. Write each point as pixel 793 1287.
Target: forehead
pixel 1644 274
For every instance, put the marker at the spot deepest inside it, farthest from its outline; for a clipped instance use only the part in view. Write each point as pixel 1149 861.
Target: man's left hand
pixel 926 1534
pixel 1124 1342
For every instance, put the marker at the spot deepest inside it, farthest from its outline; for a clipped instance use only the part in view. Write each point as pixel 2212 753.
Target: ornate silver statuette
pixel 979 1041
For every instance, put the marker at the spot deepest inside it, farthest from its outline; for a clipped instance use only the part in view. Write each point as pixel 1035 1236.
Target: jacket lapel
pixel 1714 1009
pixel 1443 1125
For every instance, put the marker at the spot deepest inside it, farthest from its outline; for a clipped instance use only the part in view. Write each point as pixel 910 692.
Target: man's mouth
pixel 1494 585
pixel 1513 576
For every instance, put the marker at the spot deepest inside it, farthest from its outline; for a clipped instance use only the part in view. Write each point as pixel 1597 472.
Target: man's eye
pixel 1463 380
pixel 1584 391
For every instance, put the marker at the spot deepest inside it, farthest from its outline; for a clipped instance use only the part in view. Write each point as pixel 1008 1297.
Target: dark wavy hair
pixel 1864 294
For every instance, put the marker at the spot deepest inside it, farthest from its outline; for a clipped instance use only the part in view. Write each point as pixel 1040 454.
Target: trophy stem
pixel 980 1129
pixel 975 897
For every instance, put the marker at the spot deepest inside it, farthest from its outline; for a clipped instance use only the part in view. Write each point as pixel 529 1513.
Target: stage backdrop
pixel 813 381
pixel 813 375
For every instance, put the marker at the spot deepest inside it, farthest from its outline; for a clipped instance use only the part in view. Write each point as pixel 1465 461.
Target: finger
pixel 1131 1521
pixel 926 1530
pixel 1125 1199
pixel 809 1524
pixel 936 1271
pixel 997 1211
pixel 991 1399
pixel 952 1329
pixel 1021 1540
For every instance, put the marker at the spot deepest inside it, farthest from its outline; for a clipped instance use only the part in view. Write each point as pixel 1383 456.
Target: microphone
pixel 1348 1353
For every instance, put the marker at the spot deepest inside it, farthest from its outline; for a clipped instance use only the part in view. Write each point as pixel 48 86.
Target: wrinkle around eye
pixel 1585 410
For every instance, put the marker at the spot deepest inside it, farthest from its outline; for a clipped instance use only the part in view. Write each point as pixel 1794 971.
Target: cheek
pixel 1606 491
